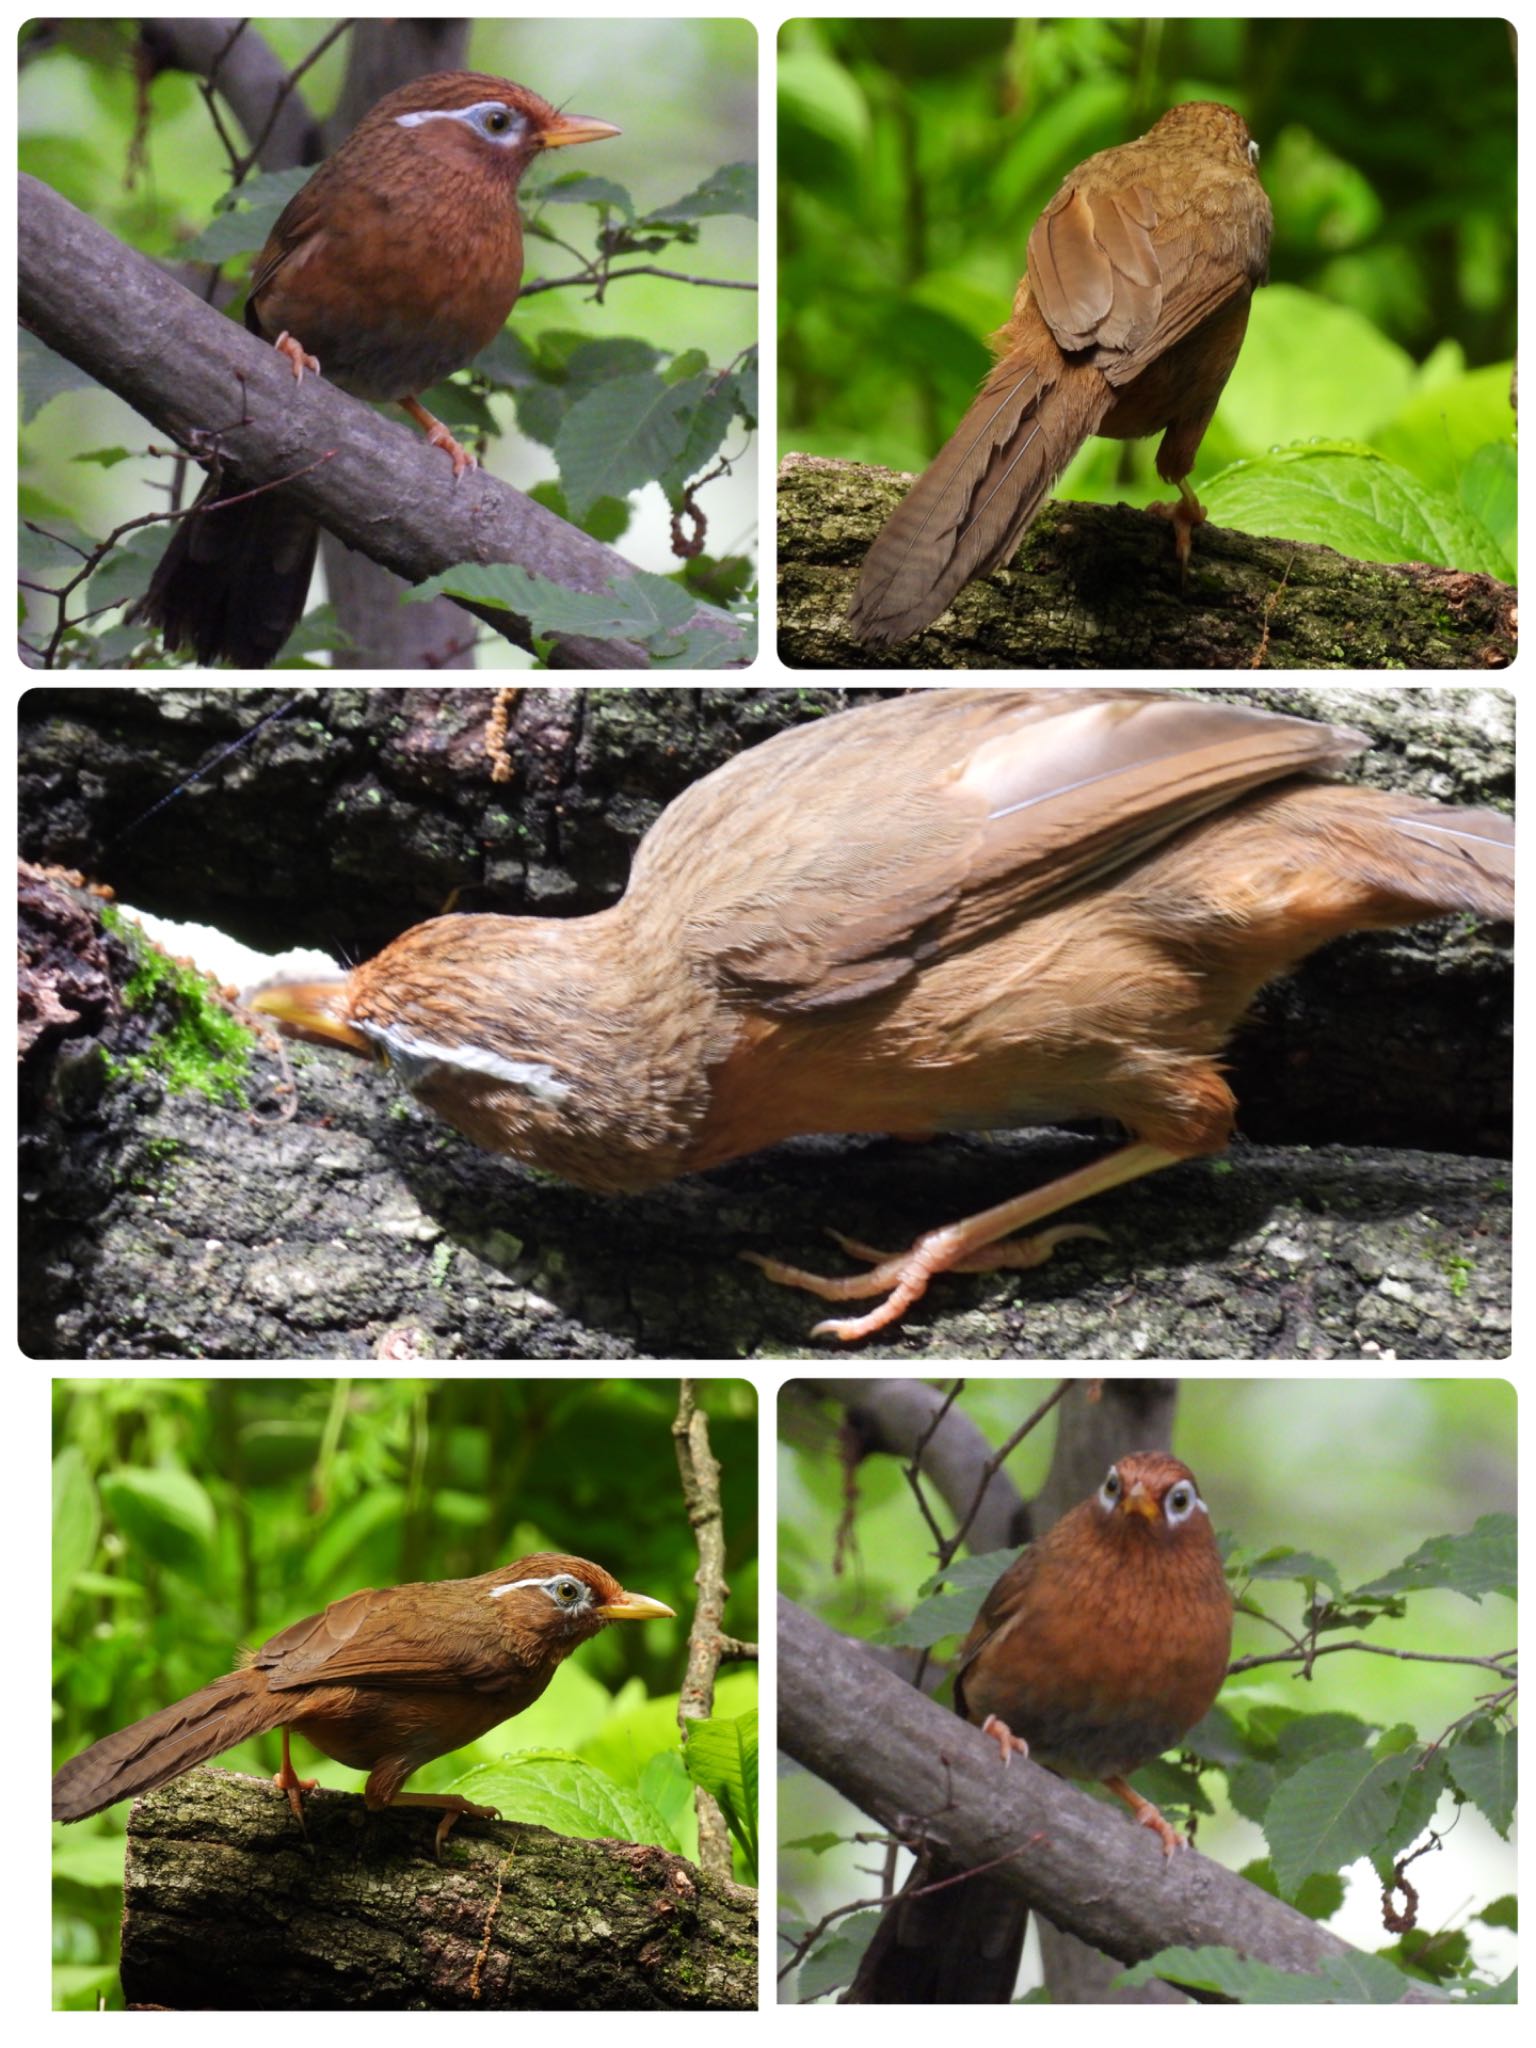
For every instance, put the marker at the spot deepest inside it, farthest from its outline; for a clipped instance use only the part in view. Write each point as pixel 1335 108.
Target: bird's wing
pixel 296 235
pixel 1006 1606
pixel 1113 272
pixel 387 1638
pixel 829 864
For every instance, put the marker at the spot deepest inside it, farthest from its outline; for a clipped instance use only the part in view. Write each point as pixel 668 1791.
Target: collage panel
pixel 626 998
pixel 1272 1702
pixel 580 1829
pixel 1041 277
pixel 389 344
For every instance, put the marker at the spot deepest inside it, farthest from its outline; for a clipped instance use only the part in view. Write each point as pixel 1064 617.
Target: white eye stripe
pixel 472 117
pixel 413 1059
pixel 544 1586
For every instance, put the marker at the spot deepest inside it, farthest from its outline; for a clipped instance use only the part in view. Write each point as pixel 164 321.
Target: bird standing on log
pixel 1127 323
pixel 949 911
pixel 394 266
pixel 383 1682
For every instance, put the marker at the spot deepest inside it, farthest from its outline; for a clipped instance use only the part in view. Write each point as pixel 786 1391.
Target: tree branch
pixel 204 379
pixel 909 1764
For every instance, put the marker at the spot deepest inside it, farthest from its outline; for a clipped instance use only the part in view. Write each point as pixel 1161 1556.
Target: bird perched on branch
pixel 394 266
pixel 949 911
pixel 1127 323
pixel 383 1682
pixel 1098 1649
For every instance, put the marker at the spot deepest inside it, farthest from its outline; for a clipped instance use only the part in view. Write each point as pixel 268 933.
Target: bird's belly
pixel 358 1727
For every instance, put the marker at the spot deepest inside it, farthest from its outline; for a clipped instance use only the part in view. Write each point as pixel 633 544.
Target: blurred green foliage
pixel 914 157
pixel 1396 1495
pixel 192 1517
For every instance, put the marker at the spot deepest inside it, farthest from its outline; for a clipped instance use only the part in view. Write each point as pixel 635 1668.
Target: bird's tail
pixel 957 1945
pixel 1403 858
pixel 968 510
pixel 154 1751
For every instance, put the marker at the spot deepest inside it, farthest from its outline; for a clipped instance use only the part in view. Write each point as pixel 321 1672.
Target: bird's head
pixel 1148 1496
pixel 562 1601
pixel 473 124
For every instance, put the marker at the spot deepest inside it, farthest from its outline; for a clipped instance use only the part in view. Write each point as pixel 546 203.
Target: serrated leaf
pixel 731 189
pixel 1504 1912
pixel 1484 1765
pixel 631 608
pixel 577 188
pixel 1343 1980
pixel 1334 1809
pixel 550 1788
pixel 709 406
pixel 982 1571
pixel 1318 1896
pixel 164 1513
pixel 1416 1809
pixel 1343 495
pixel 622 435
pixel 76 1523
pixel 245 217
pixel 1483 1560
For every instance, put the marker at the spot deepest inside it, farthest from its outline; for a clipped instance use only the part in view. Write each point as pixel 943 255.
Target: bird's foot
pixel 438 436
pixel 906 1274
pixel 288 1780
pixel 299 358
pixel 1147 1816
pixel 1186 515
pixel 452 1808
pixel 1009 1745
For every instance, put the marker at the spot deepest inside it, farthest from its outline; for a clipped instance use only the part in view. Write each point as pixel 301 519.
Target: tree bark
pixel 227 1907
pixel 162 1225
pixel 1095 587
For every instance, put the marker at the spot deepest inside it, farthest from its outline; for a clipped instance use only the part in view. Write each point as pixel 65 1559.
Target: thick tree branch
pixel 227 1907
pixel 1094 586
pixel 910 1765
pixel 204 379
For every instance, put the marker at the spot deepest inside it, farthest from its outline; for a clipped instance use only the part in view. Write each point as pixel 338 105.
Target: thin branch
pixel 1499 1664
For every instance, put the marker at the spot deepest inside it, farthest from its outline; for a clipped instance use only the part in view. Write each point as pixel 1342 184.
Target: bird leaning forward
pixel 1127 323
pixel 952 910
pixel 382 1681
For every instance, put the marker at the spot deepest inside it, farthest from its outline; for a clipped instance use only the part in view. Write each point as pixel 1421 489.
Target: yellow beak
pixel 1139 1502
pixel 634 1607
pixel 568 128
pixel 310 1009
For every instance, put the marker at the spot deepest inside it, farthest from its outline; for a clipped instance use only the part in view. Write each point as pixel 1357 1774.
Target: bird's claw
pixel 1009 1745
pixel 299 358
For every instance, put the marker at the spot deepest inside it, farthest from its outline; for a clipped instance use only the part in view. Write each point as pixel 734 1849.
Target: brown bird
pixel 395 265
pixel 1098 1649
pixel 1127 323
pixel 953 910
pixel 383 1682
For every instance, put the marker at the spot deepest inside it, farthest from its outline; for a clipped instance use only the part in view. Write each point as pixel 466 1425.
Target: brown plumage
pixel 953 910
pixel 1127 323
pixel 395 265
pixel 1098 1649
pixel 381 1681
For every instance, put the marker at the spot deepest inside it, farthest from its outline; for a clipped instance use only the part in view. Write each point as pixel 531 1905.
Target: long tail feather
pixel 161 1747
pixel 968 510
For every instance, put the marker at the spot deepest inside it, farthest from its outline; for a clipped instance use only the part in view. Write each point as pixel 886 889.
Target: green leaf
pixel 710 403
pixel 1342 495
pixel 550 1788
pixel 1301 1565
pixel 1503 1912
pixel 76 1523
pixel 1308 360
pixel 46 375
pixel 1488 491
pixel 815 1845
pixel 1342 1980
pixel 946 1614
pixel 981 1572
pixel 631 608
pixel 165 1513
pixel 833 1962
pixel 721 1755
pixel 731 189
pixel 1438 430
pixel 1334 1809
pixel 1416 1808
pixel 1484 1560
pixel 1507 1993
pixel 1482 1761
pixel 245 217
pixel 1319 1896
pixel 620 436
pixel 106 458
pixel 577 188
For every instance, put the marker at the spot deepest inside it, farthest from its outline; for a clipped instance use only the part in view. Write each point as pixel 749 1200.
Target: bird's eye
pixel 1180 1502
pixel 1109 1492
pixel 498 121
pixel 1253 153
pixel 567 1592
